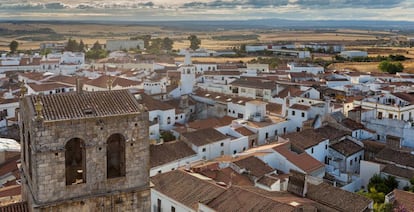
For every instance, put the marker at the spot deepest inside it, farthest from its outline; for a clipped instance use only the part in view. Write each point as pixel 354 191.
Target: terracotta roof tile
pixel 304 139
pixel 244 131
pixel 300 107
pixel 238 199
pixel 337 198
pixel 169 152
pixel 409 97
pixel 404 199
pixel 66 106
pixel 254 166
pixel 302 160
pixel 227 176
pixel 398 171
pixel 204 136
pixel 47 86
pixel 103 80
pixel 185 188
pixel 254 84
pixel 154 104
pixel 331 133
pixel 346 147
pixel 394 156
pixel 8 191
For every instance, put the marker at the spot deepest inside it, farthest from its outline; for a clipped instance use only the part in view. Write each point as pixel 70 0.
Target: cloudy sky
pixel 207 9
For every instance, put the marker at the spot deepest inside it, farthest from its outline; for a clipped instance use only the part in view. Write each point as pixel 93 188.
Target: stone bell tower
pixel 84 151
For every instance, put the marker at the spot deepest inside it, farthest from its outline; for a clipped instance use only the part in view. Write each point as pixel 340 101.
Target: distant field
pixel 370 66
pixel 215 40
pixel 218 59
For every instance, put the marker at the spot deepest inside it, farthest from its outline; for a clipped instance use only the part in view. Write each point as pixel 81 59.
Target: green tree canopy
pixel 81 46
pixel 72 45
pixel 194 42
pixel 97 46
pixel 13 46
pixel 167 44
pixel 390 67
pixel 155 46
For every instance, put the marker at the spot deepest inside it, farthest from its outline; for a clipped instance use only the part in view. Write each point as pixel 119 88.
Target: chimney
pixel 79 86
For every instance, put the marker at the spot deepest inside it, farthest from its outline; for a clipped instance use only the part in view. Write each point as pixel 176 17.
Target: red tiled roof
pixel 303 160
pixel 8 191
pixel 244 131
pixel 103 80
pixel 168 152
pixel 300 107
pixel 72 105
pixel 185 188
pixel 404 199
pixel 204 136
pixel 47 86
pixel 254 166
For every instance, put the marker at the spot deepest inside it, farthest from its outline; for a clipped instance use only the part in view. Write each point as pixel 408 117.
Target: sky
pixel 154 10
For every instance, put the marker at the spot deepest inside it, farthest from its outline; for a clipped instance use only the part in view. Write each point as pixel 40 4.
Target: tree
pixel 167 44
pixel 81 46
pixel 13 46
pixel 390 67
pixel 155 46
pixel 194 42
pixel 72 45
pixel 97 46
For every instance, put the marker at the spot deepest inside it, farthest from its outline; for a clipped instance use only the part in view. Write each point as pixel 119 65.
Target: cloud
pixel 337 4
pixel 236 3
pixel 334 4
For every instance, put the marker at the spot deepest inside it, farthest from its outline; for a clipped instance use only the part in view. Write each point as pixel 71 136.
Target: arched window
pixel 115 156
pixel 75 161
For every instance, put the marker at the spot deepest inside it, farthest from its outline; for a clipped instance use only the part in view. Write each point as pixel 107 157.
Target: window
pixel 312 150
pixel 303 114
pixel 350 162
pixel 222 152
pixel 275 132
pixel 244 148
pixel 284 130
pixel 234 152
pixel 222 144
pixel 169 120
pixel 293 113
pixel 355 159
pixel 159 171
pixel 267 135
pixel 172 209
pixel 297 129
pixel 390 116
pixel 326 146
pixel 75 163
pixel 115 156
pixel 379 115
pixel 360 157
pixel 158 205
pixel 204 149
